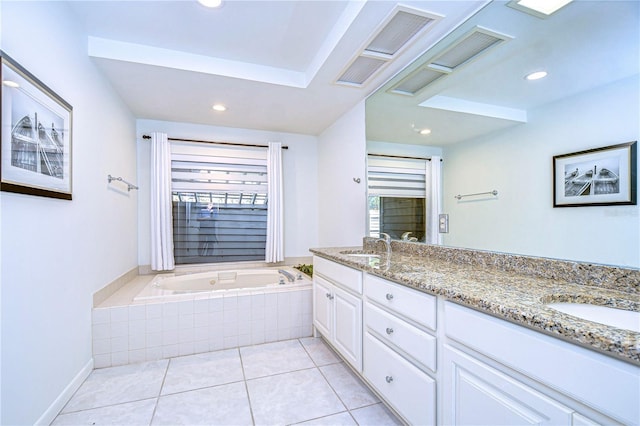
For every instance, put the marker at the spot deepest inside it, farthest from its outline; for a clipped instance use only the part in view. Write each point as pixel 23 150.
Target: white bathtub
pixel 204 283
pixel 176 315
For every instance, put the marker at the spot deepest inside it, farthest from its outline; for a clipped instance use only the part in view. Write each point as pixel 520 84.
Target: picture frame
pixel 596 177
pixel 36 135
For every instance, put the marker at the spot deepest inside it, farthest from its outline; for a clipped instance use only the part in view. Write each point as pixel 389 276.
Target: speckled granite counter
pixel 514 288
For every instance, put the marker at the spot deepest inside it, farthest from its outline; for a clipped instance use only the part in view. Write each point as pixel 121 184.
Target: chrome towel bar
pixel 494 192
pixel 130 186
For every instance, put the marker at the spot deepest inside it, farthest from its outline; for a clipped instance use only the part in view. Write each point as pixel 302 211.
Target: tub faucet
pixel 287 274
pixel 386 239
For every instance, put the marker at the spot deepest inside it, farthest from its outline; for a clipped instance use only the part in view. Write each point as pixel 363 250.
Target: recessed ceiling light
pixel 425 131
pixel 10 83
pixel 219 107
pixel 540 8
pixel 210 3
pixel 536 75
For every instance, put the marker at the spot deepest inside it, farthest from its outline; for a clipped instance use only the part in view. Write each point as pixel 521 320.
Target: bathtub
pixel 184 314
pixel 204 283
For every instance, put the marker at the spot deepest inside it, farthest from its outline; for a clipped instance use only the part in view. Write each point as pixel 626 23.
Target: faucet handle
pixel 386 236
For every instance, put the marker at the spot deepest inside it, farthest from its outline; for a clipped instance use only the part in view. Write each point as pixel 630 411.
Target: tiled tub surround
pixel 125 332
pixel 510 287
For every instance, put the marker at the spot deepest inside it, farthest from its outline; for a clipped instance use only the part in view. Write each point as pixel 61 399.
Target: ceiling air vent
pixel 463 50
pixel 400 28
pixel 417 81
pixel 469 47
pixel 360 70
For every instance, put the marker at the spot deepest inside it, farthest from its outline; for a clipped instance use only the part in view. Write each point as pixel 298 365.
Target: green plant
pixel 305 269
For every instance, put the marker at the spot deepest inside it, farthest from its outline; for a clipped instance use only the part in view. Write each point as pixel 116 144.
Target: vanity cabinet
pixel 496 372
pixel 337 308
pixel 399 349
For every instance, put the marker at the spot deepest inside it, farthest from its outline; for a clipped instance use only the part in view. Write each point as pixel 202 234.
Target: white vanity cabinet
pixel 337 308
pixel 495 372
pixel 399 348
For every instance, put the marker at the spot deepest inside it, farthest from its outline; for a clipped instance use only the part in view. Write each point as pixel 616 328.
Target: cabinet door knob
pixel 389 296
pixel 389 379
pixel 389 330
pixel 328 296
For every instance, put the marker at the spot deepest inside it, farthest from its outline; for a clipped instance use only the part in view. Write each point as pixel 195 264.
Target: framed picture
pixel 36 124
pixel 596 177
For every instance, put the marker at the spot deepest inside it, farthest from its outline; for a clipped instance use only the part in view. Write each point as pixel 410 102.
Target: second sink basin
pixel 619 318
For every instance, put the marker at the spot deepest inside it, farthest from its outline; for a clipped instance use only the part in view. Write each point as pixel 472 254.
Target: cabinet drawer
pixel 416 343
pixel 410 303
pixel 344 276
pixel 410 391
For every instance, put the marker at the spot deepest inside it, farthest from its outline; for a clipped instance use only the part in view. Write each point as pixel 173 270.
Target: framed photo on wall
pixel 596 177
pixel 35 138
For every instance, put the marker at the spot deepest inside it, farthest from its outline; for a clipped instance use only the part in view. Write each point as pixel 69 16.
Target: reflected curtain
pixel 275 230
pixel 434 199
pixel 161 216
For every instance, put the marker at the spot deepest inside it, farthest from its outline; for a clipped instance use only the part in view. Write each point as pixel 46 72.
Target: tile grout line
pixel 246 386
pixel 164 378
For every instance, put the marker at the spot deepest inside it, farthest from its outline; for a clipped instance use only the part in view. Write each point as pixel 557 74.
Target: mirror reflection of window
pixel 400 218
pixel 396 197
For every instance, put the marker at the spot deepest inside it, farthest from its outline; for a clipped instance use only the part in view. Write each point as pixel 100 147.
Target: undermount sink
pixel 371 256
pixel 614 317
pixel 371 259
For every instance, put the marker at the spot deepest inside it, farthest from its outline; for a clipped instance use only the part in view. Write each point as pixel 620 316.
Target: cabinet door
pixel 477 394
pixel 322 306
pixel 348 326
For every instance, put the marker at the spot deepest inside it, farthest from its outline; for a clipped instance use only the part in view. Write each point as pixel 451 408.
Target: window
pixel 219 203
pixel 396 197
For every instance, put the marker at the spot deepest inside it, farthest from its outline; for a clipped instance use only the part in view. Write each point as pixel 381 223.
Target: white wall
pixel 518 163
pixel 299 175
pixel 342 202
pixel 57 253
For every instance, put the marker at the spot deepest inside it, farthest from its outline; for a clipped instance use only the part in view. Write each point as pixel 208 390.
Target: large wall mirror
pixel 498 131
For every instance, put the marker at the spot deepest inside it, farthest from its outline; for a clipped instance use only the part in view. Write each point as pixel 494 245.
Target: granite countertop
pixel 510 293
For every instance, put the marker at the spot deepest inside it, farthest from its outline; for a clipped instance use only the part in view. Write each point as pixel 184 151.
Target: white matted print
pixel 35 137
pixel 596 177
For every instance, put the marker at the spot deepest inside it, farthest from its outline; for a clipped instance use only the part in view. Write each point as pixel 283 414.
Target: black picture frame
pixel 596 177
pixel 36 135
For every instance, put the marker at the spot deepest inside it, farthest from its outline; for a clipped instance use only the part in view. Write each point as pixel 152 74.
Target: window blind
pixel 396 177
pixel 219 203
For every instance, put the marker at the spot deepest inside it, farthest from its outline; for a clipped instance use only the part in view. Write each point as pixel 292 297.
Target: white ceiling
pixel 585 45
pixel 272 63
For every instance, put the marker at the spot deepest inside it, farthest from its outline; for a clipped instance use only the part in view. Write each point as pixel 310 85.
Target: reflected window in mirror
pixel 396 197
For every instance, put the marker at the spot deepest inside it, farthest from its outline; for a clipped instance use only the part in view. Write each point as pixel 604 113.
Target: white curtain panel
pixel 161 216
pixel 434 199
pixel 275 229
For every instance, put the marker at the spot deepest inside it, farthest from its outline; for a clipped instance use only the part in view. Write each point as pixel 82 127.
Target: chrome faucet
pixel 287 274
pixel 386 239
pixel 405 237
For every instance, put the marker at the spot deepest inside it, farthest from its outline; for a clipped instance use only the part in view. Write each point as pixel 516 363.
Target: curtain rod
pixel 400 156
pixel 216 143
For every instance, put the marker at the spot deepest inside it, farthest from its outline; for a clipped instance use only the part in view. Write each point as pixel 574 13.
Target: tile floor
pixel 299 381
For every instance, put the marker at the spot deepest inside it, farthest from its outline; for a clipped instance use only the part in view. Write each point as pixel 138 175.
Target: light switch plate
pixel 443 223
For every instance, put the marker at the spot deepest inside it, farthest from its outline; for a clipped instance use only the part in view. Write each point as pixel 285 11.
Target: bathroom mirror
pixel 498 131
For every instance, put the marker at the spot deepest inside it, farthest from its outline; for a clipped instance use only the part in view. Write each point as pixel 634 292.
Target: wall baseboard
pixel 54 409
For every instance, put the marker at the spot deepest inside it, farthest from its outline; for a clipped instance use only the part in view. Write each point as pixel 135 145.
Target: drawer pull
pixel 389 296
pixel 389 330
pixel 389 379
